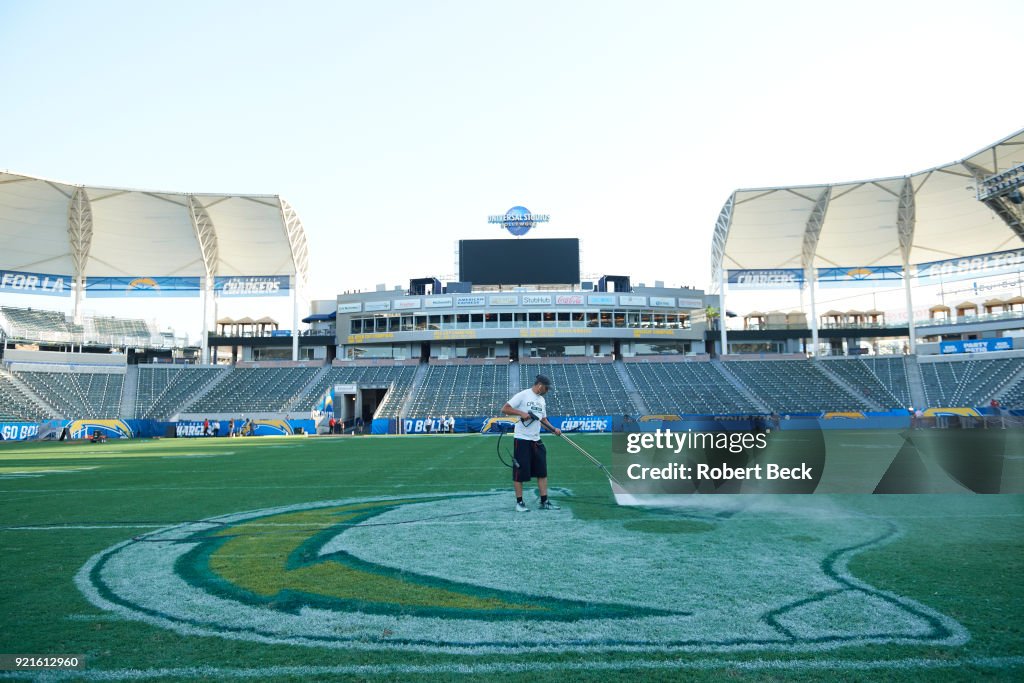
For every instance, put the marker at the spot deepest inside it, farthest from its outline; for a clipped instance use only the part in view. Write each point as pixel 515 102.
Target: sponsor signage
pixel 601 299
pixel 959 268
pixel 632 300
pixel 280 333
pixel 503 300
pixel 690 303
pixel 345 388
pixel 568 299
pixel 117 287
pixel 977 345
pixel 536 299
pixel 438 302
pixel 518 220
pixel 377 306
pixel 406 304
pixel 255 285
pixel 777 278
pixel 663 301
pixel 35 283
pixel 353 307
pixel 470 300
pixel 860 275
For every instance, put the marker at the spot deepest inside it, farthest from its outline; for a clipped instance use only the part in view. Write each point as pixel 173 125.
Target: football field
pixel 401 558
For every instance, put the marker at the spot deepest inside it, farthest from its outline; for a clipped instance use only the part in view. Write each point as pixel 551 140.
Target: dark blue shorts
pixel 531 460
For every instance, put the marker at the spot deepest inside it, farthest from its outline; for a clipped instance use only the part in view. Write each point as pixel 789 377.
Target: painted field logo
pixel 435 573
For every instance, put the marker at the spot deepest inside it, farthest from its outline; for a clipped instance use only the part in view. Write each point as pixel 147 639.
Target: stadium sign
pixel 352 307
pixel 632 301
pixel 690 303
pixel 377 306
pixel 357 574
pixel 776 278
pixel 13 282
pixel 569 300
pixel 118 287
pixel 536 299
pixel 471 300
pixel 406 304
pixel 601 300
pixel 959 268
pixel 663 301
pixel 503 300
pixel 977 346
pixel 18 431
pixel 438 302
pixel 256 285
pixel 860 275
pixel 518 220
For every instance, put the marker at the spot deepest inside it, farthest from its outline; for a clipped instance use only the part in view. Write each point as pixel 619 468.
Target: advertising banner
pixel 977 345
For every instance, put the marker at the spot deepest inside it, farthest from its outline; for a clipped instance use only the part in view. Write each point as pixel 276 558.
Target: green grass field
pixel 400 558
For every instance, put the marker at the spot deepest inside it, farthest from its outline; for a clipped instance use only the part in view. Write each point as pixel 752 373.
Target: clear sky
pixel 395 128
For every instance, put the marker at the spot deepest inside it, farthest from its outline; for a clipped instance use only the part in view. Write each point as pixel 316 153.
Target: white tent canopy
pixel 928 216
pixel 80 231
pixel 53 227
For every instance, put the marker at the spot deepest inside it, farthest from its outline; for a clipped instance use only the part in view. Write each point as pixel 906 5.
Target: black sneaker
pixel 550 505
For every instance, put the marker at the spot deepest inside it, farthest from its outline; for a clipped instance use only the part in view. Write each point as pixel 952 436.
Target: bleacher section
pixel 967 383
pixel 164 391
pixel 687 389
pixel 77 395
pixel 15 406
pixel 881 379
pixel 578 388
pixel 121 327
pixel 793 386
pixel 399 376
pixel 29 322
pixel 250 390
pixel 467 390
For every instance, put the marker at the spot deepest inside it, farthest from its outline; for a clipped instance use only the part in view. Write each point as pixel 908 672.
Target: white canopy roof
pixel 53 227
pixel 932 215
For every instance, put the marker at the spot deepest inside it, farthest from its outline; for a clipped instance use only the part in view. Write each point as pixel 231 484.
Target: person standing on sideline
pixel 529 457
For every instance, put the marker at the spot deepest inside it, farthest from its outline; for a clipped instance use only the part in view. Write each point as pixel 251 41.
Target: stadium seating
pixel 687 389
pixel 578 388
pixel 121 327
pixel 29 322
pixel 77 395
pixel 163 391
pixel 461 390
pixel 879 378
pixel 254 390
pixel 793 386
pixel 967 383
pixel 15 406
pixel 399 377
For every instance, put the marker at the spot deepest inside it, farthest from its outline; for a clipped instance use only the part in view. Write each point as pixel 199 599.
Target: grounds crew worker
pixel 529 455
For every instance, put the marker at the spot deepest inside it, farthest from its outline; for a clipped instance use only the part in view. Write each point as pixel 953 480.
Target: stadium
pixel 381 550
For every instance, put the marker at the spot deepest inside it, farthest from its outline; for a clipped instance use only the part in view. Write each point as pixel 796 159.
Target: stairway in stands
pixel 129 392
pixel 639 405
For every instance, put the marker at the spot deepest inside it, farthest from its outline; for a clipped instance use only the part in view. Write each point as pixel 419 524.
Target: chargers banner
pixel 777 278
pixel 35 283
pixel 973 266
pixel 977 345
pixel 590 423
pixel 117 287
pixel 860 275
pixel 324 409
pixel 18 431
pixel 256 285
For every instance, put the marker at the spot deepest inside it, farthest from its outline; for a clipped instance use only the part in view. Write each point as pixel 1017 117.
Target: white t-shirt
pixel 529 402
